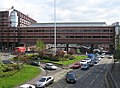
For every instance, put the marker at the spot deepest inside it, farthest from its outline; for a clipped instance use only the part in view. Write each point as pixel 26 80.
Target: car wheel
pixel 52 81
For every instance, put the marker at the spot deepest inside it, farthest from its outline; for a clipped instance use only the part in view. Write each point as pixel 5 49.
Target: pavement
pixel 116 73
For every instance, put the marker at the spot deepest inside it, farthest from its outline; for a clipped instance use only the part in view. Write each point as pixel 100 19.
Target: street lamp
pixel 55 27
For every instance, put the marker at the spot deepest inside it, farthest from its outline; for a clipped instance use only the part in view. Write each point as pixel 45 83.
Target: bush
pixel 15 66
pixel 67 56
pixel 34 57
pixel 70 57
pixel 7 74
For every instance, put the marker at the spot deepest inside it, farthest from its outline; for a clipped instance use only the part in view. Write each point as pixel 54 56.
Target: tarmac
pixel 116 73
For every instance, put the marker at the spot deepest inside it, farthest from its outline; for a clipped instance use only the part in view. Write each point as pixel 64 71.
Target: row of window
pixel 70 30
pixel 56 36
pixel 8 30
pixel 91 31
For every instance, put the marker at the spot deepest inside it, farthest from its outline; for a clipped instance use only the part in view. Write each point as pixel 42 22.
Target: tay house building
pixel 18 29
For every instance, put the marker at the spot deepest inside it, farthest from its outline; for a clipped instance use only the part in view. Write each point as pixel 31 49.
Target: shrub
pixel 71 57
pixel 7 74
pixel 67 56
pixel 15 66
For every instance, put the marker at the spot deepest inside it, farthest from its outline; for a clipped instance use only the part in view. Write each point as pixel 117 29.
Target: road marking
pixel 92 81
pixel 101 71
pixel 59 85
pixel 97 75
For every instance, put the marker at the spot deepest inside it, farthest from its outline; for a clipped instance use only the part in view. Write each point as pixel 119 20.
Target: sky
pixel 67 10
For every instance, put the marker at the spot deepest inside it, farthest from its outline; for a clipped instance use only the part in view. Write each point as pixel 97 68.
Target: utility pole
pixel 55 27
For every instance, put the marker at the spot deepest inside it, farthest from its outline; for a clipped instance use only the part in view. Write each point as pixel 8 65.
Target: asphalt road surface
pixel 91 78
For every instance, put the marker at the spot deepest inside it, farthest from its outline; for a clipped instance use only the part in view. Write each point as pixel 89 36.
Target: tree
pixel 60 53
pixel 40 47
pixel 72 51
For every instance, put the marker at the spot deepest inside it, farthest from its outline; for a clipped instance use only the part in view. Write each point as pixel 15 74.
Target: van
pixel 84 64
pixel 27 86
pixel 92 57
pixel 89 61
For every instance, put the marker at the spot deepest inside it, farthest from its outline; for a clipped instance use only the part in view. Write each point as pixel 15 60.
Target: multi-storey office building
pixel 81 33
pixel 10 21
pixel 18 29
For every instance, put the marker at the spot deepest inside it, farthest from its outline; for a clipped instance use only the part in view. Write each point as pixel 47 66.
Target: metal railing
pixel 109 80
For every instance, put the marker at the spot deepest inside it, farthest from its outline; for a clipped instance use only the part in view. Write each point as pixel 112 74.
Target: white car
pixel 110 56
pixel 99 58
pixel 88 60
pixel 44 81
pixel 27 86
pixel 84 64
pixel 102 56
pixel 50 66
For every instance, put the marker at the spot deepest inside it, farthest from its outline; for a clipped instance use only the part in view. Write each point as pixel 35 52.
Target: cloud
pixel 67 10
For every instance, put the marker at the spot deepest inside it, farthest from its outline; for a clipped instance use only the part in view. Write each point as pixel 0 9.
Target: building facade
pixel 17 29
pixel 10 21
pixel 97 33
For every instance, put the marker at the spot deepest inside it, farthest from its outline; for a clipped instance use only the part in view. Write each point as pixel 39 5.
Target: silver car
pixel 44 81
pixel 50 66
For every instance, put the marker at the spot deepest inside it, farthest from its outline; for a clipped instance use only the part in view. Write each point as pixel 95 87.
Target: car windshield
pixel 49 64
pixel 42 80
pixel 70 75
pixel 76 64
pixel 82 61
pixel 87 59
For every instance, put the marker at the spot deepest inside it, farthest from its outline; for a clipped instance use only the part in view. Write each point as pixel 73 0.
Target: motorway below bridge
pixel 91 78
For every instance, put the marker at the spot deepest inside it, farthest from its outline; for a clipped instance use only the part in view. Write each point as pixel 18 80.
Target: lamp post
pixel 55 27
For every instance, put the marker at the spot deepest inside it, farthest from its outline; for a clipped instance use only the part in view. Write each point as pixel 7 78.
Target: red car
pixel 75 65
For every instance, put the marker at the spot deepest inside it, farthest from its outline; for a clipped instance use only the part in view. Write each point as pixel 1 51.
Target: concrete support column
pixel 67 46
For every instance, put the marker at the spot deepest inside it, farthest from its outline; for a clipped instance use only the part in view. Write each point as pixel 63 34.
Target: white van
pixel 84 64
pixel 27 86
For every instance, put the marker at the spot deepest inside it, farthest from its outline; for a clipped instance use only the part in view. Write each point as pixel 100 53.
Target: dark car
pixel 7 62
pixel 71 77
pixel 75 65
pixel 35 63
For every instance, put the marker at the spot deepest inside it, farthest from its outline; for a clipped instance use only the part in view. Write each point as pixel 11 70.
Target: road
pixel 91 78
pixel 4 56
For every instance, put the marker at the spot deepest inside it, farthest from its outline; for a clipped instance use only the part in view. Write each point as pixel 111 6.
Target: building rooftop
pixel 68 24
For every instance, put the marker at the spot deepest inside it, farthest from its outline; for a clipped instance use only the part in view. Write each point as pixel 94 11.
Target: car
pixel 50 66
pixel 102 56
pixel 35 63
pixel 71 77
pixel 7 62
pixel 89 61
pixel 99 58
pixel 75 65
pixel 110 56
pixel 27 86
pixel 44 81
pixel 84 64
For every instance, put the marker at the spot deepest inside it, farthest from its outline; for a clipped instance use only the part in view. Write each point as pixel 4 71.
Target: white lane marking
pixel 92 81
pixel 97 75
pixel 42 69
pixel 59 85
pixel 101 71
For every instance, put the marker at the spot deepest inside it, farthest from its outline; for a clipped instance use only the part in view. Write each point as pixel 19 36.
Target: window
pixel 96 36
pixel 29 30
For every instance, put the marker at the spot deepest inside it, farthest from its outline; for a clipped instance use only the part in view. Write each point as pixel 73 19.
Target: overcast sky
pixel 67 10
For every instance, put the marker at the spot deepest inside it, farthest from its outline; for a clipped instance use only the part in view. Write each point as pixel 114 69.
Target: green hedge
pixel 27 73
pixel 7 74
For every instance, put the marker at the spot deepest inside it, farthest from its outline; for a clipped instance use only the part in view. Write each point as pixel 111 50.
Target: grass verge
pixel 28 72
pixel 68 62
